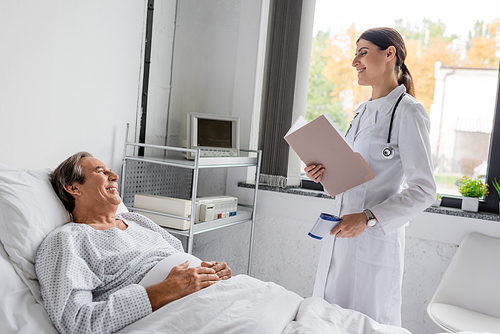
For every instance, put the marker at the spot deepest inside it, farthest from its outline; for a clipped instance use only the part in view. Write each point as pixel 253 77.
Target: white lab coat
pixel 365 273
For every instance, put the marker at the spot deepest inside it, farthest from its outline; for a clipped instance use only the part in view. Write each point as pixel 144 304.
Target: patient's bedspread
pixel 247 305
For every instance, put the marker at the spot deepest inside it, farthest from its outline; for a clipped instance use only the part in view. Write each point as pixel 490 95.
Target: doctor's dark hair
pixel 66 173
pixel 385 37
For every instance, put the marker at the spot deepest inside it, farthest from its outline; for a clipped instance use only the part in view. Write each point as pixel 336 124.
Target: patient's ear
pixel 73 189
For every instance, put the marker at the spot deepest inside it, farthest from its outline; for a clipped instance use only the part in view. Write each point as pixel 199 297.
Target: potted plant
pixel 496 185
pixel 438 200
pixel 472 190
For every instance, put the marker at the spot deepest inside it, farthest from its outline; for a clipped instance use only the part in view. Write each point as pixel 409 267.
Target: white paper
pixel 300 122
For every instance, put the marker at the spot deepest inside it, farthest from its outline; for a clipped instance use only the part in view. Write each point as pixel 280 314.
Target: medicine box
pixel 216 207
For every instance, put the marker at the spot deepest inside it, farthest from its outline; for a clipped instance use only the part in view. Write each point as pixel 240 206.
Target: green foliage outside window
pixel 319 99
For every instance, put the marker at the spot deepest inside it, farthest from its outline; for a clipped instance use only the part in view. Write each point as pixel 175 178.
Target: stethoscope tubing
pixel 392 118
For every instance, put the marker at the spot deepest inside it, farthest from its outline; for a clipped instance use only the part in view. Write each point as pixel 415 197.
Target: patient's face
pixel 100 186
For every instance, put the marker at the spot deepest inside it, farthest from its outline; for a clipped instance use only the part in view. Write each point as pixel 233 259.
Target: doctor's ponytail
pixel 405 78
pixel 385 37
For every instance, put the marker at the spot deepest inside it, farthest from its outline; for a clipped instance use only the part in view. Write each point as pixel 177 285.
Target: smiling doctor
pixel 361 263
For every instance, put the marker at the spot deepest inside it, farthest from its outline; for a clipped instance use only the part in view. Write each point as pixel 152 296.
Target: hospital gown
pixel 88 277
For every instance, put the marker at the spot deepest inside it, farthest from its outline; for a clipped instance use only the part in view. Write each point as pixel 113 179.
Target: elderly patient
pixel 89 269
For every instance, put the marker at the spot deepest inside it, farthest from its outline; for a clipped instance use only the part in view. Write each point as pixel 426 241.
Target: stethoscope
pixel 388 151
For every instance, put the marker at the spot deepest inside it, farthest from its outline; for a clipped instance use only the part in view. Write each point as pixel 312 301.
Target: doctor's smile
pixel 359 67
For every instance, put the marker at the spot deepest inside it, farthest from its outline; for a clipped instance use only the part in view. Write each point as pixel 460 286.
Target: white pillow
pixel 29 210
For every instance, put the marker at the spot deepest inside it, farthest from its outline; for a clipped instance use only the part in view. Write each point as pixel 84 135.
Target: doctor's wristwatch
pixel 371 219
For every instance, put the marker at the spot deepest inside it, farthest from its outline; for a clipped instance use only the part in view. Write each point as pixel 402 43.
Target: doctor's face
pixel 370 63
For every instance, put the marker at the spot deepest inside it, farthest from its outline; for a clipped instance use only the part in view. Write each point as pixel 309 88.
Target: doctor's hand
pixel 350 226
pixel 314 172
pixel 221 269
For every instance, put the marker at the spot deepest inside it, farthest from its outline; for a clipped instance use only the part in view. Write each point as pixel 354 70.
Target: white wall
pixel 214 62
pixel 206 57
pixel 164 16
pixel 70 79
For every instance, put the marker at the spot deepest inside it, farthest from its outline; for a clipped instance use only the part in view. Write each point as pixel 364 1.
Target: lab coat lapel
pixel 353 128
pixel 370 121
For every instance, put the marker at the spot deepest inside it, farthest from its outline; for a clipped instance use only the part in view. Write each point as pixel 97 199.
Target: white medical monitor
pixel 214 135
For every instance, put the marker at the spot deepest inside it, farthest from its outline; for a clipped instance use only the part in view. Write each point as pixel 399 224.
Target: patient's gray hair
pixel 66 173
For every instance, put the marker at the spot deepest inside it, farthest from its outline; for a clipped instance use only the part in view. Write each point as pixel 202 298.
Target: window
pixel 454 61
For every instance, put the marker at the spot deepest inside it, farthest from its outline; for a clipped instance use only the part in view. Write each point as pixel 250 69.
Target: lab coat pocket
pixel 376 248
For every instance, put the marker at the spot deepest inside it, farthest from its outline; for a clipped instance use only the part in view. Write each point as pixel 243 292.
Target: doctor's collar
pixel 391 99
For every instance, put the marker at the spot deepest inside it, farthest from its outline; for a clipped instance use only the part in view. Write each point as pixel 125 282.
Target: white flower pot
pixel 470 204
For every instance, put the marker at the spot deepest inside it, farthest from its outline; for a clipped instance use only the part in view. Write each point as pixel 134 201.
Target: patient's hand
pixel 221 268
pixel 180 282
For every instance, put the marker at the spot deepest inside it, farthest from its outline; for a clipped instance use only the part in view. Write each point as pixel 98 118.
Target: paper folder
pixel 320 142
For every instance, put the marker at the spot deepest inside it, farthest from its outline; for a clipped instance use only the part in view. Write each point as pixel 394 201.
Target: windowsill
pixel 321 194
pixel 288 190
pixel 466 214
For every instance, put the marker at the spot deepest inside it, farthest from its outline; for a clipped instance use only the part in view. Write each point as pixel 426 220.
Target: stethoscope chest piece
pixel 388 152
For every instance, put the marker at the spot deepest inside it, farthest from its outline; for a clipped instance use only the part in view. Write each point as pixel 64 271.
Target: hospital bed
pixel 29 210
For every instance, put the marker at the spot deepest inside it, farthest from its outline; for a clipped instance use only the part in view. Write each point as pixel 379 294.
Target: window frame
pixel 307 183
pixel 491 202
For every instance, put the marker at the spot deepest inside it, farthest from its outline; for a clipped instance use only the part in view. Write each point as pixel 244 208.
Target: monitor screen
pixel 215 133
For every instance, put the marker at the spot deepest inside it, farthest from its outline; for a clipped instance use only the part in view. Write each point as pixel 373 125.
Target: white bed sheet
pixel 317 316
pixel 244 305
